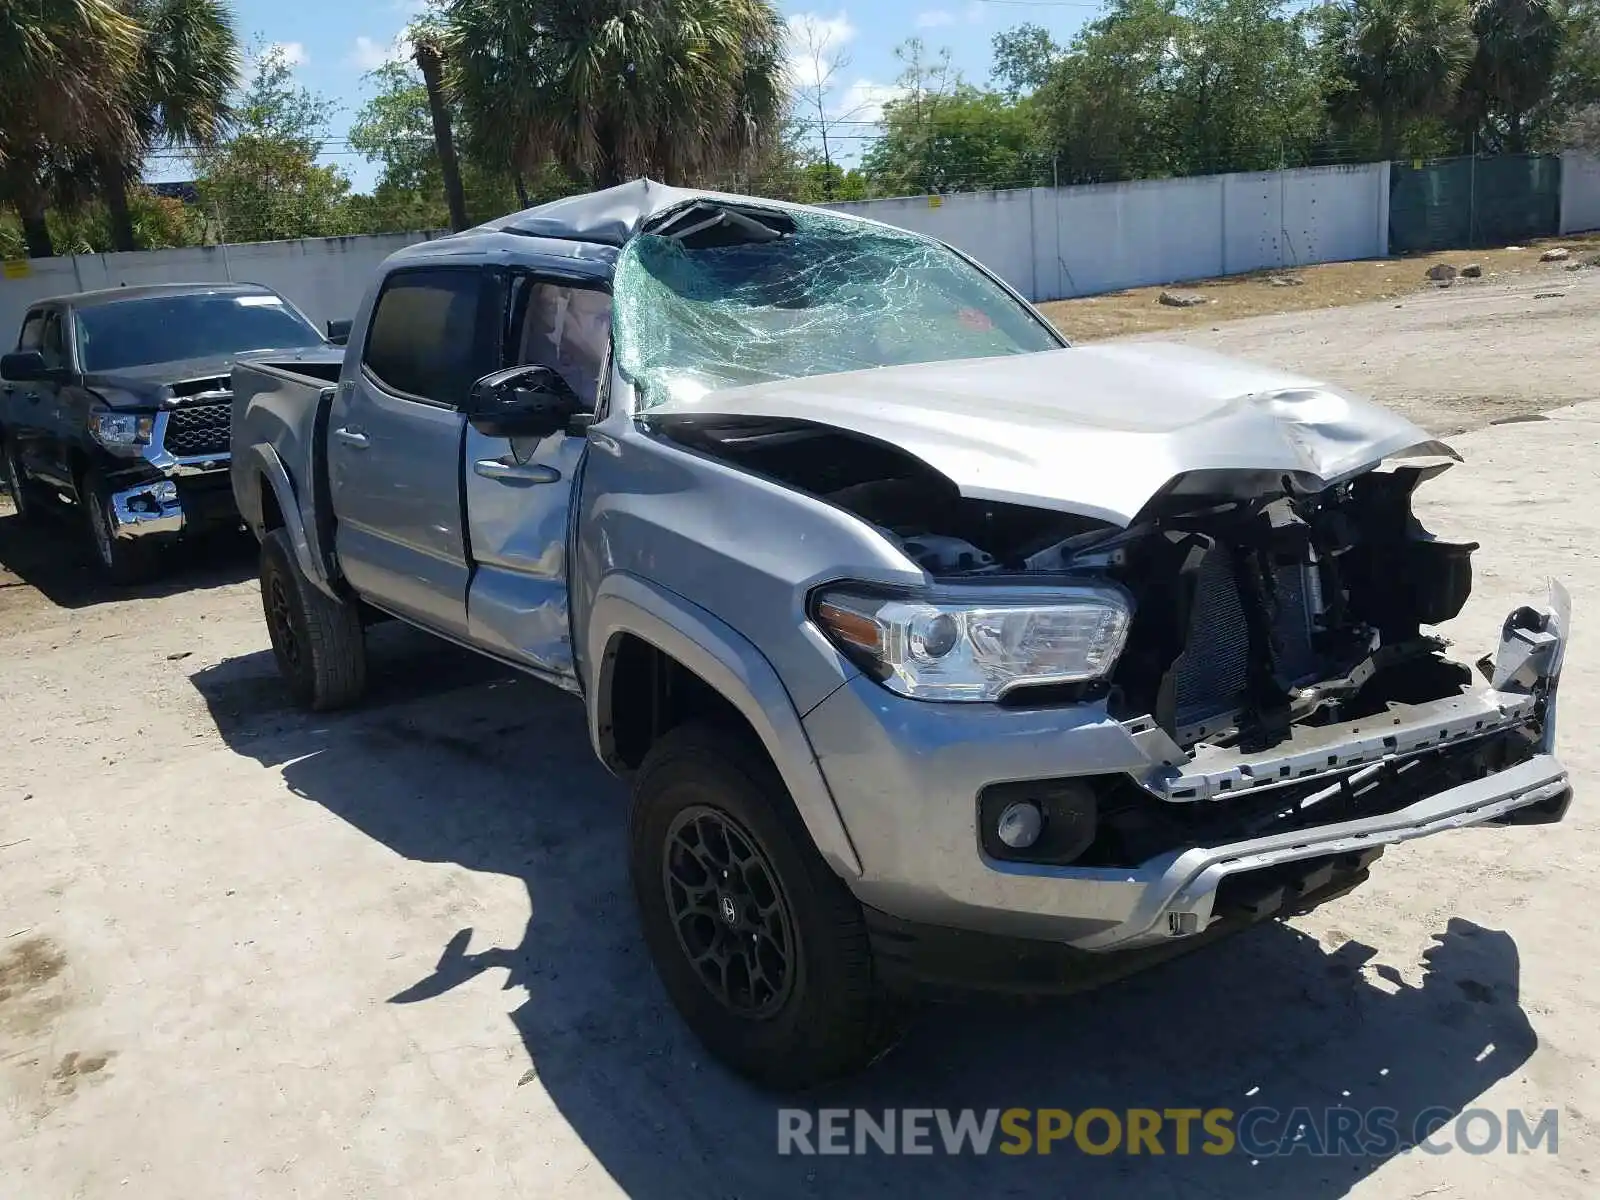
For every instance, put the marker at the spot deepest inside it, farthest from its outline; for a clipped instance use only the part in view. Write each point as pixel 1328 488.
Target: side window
pixel 424 339
pixel 32 332
pixel 52 345
pixel 565 327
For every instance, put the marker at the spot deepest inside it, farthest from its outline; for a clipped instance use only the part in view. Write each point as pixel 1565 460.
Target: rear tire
pixel 761 947
pixel 316 640
pixel 123 561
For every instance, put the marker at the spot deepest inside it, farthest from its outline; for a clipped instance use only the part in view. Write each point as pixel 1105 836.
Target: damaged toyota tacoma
pixel 936 652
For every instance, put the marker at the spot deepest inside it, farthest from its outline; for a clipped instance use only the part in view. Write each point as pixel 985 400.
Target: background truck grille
pixel 199 429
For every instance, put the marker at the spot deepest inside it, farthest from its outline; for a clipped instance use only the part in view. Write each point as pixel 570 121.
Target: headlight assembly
pixel 119 430
pixel 978 649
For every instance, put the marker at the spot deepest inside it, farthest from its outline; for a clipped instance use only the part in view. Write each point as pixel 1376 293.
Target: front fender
pixel 728 662
pixel 261 462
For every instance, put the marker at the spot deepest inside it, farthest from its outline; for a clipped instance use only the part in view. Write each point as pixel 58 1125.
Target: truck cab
pixel 935 651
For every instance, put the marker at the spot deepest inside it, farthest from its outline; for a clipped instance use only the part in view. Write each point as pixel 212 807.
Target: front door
pixel 519 491
pixel 394 448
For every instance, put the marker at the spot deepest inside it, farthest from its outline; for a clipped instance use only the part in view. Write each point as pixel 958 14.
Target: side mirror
pixel 24 366
pixel 522 402
pixel 339 332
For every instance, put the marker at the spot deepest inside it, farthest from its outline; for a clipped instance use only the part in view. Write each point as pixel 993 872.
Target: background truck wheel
pixel 123 561
pixel 316 639
pixel 760 945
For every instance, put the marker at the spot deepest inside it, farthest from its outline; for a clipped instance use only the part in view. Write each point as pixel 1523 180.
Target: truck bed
pixel 280 411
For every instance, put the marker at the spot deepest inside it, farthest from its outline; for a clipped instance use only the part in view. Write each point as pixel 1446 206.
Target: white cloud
pixel 936 18
pixel 368 54
pixel 814 41
pixel 294 53
pixel 863 100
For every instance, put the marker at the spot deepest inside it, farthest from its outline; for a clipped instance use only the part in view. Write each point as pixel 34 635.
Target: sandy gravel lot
pixel 245 952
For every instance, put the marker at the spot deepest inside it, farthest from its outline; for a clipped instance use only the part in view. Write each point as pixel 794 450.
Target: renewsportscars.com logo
pixel 1259 1132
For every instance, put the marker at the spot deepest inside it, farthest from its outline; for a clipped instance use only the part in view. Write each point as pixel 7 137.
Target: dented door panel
pixel 517 530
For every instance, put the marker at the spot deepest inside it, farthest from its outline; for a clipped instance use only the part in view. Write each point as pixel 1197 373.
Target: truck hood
pixel 149 384
pixel 1094 430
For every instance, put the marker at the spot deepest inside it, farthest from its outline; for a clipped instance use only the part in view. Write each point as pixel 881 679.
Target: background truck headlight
pixel 978 649
pixel 121 430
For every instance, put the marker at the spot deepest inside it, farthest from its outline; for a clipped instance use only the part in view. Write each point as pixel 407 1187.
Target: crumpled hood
pixel 1096 430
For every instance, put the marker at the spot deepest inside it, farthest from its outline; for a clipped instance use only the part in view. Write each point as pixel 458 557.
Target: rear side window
pixel 424 337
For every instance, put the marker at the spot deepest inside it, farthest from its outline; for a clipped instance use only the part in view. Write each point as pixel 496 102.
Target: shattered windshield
pixel 824 294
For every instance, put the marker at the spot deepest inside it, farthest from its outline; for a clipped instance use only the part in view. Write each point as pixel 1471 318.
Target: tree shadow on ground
pixel 1270 1017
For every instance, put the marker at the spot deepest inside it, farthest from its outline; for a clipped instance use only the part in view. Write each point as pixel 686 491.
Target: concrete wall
pixel 1050 243
pixel 325 277
pixel 1580 192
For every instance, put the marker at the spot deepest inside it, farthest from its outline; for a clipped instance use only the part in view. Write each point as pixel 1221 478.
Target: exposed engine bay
pixel 1251 615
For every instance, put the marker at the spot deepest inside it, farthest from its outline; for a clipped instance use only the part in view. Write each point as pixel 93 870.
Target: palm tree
pixel 1400 59
pixel 1519 48
pixel 177 94
pixel 430 61
pixel 680 89
pixel 63 64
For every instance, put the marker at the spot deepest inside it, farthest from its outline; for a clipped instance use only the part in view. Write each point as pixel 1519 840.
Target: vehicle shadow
pixel 1270 1017
pixel 51 553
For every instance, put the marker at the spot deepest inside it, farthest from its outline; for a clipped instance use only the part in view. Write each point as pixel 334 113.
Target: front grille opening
pixel 199 429
pixel 1290 887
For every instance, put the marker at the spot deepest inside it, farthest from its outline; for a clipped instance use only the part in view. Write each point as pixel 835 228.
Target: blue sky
pixel 333 45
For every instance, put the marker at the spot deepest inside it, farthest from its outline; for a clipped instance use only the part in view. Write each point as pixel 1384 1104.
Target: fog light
pixel 1020 825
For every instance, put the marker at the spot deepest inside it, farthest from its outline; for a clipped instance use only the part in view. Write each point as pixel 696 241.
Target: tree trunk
pixel 35 230
pixel 1388 134
pixel 608 167
pixel 114 179
pixel 522 189
pixel 432 77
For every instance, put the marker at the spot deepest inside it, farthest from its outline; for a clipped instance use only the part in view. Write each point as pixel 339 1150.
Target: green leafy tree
pixel 1247 92
pixel 1507 95
pixel 395 129
pixel 61 67
pixel 263 182
pixel 1398 63
pixel 680 89
pixel 1106 107
pixel 961 140
pixel 1024 57
pixel 1573 120
pixel 176 95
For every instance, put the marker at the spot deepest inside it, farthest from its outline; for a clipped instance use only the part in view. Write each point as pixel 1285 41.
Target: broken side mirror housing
pixel 24 366
pixel 523 402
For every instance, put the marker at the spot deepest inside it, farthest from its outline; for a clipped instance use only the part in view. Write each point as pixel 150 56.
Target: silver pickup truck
pixel 936 652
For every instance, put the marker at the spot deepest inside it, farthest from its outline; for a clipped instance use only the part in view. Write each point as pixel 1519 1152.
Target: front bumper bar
pixel 147 510
pixel 906 775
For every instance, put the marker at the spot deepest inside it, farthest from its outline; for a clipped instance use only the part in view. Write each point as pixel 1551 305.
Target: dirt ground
pixel 249 952
pixel 1327 285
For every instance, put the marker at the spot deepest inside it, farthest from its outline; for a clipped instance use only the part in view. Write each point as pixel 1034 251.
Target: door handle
pixel 352 437
pixel 515 473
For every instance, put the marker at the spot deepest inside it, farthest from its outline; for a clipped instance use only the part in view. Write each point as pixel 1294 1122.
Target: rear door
pixel 519 491
pixel 395 430
pixel 30 407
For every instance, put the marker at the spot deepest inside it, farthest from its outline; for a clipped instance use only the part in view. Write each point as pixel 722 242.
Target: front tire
pixel 761 947
pixel 317 641
pixel 123 561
